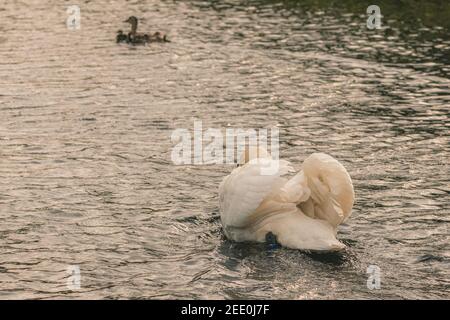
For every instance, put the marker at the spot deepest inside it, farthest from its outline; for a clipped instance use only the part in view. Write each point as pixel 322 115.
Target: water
pixel 87 178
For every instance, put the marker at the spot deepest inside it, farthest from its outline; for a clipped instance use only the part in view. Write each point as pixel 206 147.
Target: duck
pixel 297 210
pixel 142 38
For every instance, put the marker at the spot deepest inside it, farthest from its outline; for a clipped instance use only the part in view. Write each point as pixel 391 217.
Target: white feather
pixel 303 212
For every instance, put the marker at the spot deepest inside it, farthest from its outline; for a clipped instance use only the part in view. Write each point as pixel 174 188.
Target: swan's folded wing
pixel 295 190
pixel 331 187
pixel 245 188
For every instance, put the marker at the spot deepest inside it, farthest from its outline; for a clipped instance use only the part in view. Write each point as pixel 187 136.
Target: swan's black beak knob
pixel 271 240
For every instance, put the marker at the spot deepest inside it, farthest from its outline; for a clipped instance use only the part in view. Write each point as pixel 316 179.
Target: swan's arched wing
pixel 331 187
pixel 296 190
pixel 241 193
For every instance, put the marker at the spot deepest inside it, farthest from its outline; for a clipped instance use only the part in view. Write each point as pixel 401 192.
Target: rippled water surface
pixel 86 176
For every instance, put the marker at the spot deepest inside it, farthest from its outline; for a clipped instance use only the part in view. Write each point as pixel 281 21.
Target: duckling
pixel 121 37
pixel 158 37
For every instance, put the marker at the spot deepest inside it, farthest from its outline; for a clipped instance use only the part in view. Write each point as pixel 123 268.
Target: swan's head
pixel 252 152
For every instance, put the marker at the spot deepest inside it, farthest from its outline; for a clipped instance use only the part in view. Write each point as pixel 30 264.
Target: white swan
pixel 302 212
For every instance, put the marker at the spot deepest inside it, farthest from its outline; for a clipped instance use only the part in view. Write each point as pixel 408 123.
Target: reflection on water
pixel 86 175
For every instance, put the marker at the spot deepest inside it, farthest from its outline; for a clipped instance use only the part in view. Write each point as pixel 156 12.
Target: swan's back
pixel 241 193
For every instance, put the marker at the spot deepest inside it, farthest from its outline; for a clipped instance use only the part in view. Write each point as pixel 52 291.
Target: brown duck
pixel 134 37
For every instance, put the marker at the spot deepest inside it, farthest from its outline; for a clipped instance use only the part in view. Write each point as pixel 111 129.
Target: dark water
pixel 86 176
